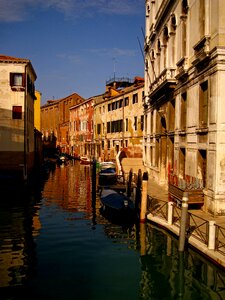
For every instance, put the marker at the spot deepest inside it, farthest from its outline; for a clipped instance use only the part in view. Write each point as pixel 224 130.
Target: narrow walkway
pixel 158 192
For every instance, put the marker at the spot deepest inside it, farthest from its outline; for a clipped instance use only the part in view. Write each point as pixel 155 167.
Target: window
pixel 135 98
pixel 183 111
pixel 171 123
pixel 126 124
pixel 142 122
pixel 203 104
pixel 98 128
pixel 17 112
pixel 108 127
pixel 156 152
pixel 135 123
pixel 83 125
pixel 126 101
pixel 17 80
pixel 152 121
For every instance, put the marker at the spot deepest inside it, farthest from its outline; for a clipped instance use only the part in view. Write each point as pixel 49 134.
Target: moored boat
pixel 107 173
pixel 117 205
pixel 84 160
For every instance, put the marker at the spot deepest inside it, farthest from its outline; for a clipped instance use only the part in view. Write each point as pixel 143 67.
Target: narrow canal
pixel 55 244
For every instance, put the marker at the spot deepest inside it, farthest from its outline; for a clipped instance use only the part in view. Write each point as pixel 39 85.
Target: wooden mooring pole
pixel 183 222
pixel 94 164
pixel 144 195
pixel 94 179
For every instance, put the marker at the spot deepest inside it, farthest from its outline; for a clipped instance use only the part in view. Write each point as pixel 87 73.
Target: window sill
pixel 18 88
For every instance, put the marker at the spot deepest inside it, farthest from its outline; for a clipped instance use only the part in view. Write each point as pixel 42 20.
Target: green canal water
pixel 55 244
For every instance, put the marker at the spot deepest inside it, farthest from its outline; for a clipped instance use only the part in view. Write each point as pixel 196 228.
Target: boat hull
pixel 117 206
pixel 107 174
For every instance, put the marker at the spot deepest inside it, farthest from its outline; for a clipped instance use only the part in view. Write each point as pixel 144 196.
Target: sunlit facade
pixel 184 132
pixel 17 96
pixel 118 119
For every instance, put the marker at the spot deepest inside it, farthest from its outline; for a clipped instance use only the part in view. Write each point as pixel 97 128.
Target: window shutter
pixel 24 80
pixel 11 78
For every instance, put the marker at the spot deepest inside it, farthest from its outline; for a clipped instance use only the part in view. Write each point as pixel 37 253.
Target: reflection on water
pixel 170 274
pixel 55 244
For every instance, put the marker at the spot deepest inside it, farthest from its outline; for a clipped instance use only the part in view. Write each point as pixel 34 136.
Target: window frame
pixel 17 112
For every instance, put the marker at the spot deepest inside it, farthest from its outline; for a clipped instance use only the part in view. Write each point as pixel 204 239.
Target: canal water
pixel 55 244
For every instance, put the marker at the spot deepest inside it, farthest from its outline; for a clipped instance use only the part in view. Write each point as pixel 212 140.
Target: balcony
pixel 202 49
pixel 163 85
pixel 182 68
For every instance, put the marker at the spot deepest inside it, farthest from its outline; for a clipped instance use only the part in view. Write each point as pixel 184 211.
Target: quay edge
pixel 212 255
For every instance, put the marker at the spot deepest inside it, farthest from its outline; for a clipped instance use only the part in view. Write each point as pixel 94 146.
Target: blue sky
pixel 74 45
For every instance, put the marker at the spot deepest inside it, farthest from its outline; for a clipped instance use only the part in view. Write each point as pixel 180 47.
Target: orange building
pixel 55 122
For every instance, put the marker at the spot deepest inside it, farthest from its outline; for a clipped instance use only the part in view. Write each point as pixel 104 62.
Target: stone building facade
pixel 55 117
pixel 81 129
pixel 184 132
pixel 17 96
pixel 118 119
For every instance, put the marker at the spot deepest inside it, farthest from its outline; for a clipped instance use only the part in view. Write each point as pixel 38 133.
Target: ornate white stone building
pixel 184 136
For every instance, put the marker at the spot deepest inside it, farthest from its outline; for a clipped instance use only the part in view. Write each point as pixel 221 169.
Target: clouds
pixel 113 52
pixel 20 10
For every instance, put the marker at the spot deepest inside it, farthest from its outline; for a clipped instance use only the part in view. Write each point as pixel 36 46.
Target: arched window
pixel 184 7
pixel 165 44
pixel 173 23
pixel 184 26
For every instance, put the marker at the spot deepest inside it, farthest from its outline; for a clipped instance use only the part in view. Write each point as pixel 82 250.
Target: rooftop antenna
pixel 142 30
pixel 143 58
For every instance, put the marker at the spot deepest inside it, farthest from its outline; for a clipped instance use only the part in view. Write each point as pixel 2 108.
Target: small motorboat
pixel 84 160
pixel 117 205
pixel 107 173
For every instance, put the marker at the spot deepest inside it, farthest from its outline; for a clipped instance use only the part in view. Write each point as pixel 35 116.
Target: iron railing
pixel 197 227
pixel 220 238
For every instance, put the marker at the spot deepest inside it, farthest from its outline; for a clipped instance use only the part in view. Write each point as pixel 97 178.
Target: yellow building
pixel 118 119
pixel 37 111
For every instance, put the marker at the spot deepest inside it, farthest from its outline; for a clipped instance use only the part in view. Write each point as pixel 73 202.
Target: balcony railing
pixel 164 83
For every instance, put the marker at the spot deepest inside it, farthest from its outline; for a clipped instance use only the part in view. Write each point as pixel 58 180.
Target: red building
pixel 81 129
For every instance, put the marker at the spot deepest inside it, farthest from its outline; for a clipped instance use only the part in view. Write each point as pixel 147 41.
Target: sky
pixel 75 46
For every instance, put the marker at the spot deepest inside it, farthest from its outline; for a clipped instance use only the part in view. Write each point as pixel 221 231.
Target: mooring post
pixel 212 235
pixel 129 183
pixel 170 213
pixel 144 195
pixel 137 197
pixel 183 221
pixel 94 179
